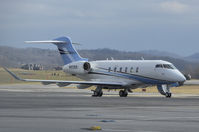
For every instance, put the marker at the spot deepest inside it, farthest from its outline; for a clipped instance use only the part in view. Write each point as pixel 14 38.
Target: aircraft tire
pixel 123 93
pixel 100 94
pixel 168 95
pixel 97 94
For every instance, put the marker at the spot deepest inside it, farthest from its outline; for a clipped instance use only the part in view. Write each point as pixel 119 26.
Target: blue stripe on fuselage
pixel 143 79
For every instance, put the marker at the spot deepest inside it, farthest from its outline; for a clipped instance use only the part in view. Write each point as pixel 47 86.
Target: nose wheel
pixel 123 93
pixel 168 95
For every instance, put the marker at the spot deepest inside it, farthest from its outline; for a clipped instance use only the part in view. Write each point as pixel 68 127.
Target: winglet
pixel 13 75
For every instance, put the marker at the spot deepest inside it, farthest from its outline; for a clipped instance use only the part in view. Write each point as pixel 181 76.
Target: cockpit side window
pixel 159 66
pixel 173 66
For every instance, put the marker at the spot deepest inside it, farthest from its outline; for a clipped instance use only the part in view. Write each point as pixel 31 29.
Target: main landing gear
pixel 123 93
pixel 97 92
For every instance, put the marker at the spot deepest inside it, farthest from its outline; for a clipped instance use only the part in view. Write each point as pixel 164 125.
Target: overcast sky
pixel 128 25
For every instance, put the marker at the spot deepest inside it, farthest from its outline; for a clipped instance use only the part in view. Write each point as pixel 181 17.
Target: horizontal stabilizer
pixel 49 41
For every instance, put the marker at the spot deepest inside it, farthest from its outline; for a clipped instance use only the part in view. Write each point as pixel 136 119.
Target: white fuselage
pixel 130 72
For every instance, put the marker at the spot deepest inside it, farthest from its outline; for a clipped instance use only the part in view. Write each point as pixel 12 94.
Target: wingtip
pixel 12 74
pixel 5 68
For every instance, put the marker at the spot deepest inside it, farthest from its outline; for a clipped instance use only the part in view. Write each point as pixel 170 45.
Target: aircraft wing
pixel 191 82
pixel 64 82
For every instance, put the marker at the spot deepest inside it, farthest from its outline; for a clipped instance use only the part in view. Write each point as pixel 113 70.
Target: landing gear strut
pixel 123 93
pixel 97 92
pixel 164 90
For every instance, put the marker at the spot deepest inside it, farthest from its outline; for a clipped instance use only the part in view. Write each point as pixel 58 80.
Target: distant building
pixel 32 67
pixel 58 68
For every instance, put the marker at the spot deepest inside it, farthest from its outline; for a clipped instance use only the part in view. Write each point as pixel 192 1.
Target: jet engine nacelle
pixel 79 67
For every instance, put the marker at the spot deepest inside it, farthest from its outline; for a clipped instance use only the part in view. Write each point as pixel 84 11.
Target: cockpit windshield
pixel 166 66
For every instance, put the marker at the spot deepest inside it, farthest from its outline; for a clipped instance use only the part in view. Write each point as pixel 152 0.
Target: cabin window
pixel 115 69
pixel 120 69
pixel 109 69
pixel 126 69
pixel 137 69
pixel 131 70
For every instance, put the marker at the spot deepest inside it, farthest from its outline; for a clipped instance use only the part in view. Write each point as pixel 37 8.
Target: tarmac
pixel 38 108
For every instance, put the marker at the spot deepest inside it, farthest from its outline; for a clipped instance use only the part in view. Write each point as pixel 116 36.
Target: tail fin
pixel 66 49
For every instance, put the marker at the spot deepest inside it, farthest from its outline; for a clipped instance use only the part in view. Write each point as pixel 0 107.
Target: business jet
pixel 124 75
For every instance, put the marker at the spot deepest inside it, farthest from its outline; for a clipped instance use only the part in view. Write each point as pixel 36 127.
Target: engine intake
pixel 87 66
pixel 80 67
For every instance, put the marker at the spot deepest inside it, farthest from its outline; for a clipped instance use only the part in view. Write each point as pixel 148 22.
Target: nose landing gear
pixel 168 95
pixel 164 90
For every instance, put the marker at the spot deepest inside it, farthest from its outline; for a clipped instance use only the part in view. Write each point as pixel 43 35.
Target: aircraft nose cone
pixel 181 80
pixel 181 77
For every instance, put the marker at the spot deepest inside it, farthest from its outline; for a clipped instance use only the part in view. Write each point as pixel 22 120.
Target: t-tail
pixel 66 49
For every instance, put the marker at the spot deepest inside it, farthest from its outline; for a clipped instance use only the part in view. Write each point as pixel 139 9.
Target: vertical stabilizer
pixel 66 49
